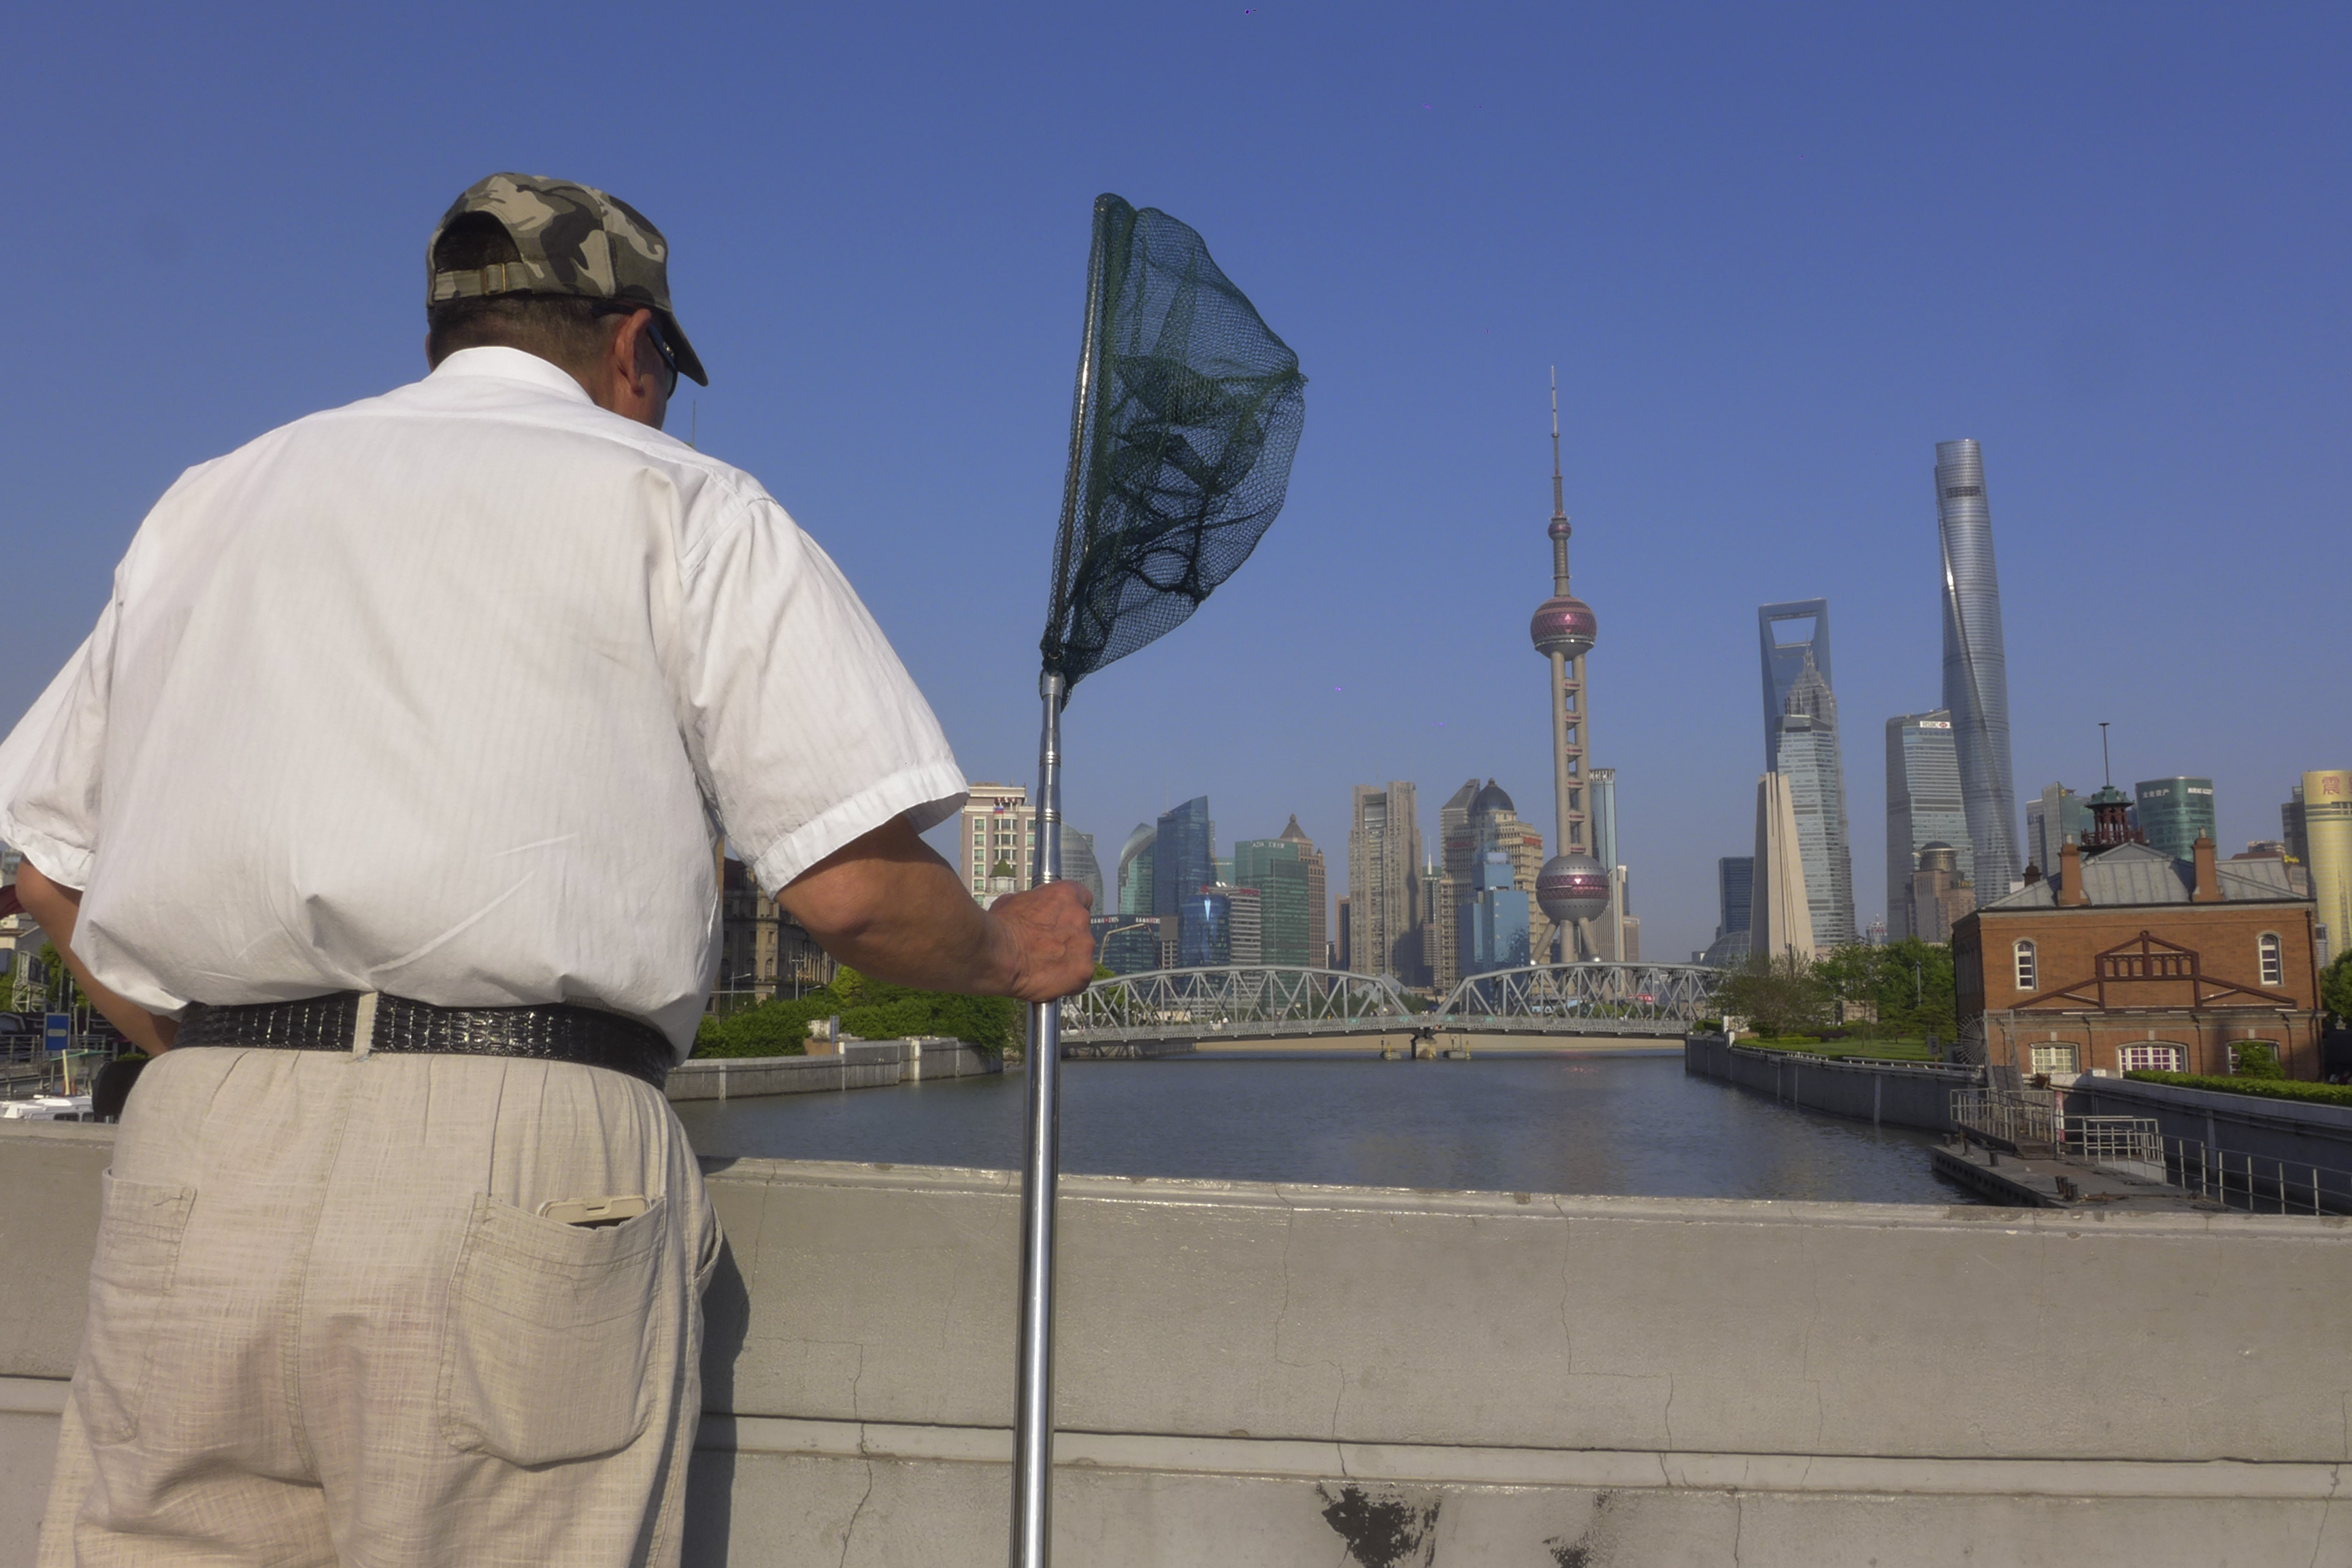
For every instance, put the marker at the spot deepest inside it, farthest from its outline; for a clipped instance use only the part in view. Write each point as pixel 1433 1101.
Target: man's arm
pixel 889 907
pixel 57 907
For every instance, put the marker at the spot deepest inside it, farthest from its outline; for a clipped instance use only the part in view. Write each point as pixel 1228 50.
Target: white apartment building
pixel 997 833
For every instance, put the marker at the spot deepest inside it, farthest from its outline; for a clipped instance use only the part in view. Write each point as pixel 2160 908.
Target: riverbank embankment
pixel 1901 1095
pixel 858 1064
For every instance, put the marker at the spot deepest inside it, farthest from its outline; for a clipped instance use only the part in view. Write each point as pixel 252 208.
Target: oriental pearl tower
pixel 1573 887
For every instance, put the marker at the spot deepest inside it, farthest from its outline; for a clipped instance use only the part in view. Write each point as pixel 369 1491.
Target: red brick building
pixel 2130 959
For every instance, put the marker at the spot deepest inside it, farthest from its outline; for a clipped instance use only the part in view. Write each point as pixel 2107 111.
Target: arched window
pixel 2273 963
pixel 2155 1056
pixel 2025 971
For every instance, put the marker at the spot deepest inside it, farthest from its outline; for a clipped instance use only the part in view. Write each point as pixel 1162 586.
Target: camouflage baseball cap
pixel 574 239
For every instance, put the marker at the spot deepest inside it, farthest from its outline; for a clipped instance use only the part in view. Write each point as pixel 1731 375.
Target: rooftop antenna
pixel 2104 763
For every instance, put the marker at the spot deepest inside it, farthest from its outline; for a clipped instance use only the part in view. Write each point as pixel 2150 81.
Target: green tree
pixel 1778 996
pixel 2336 989
pixel 869 1009
pixel 2255 1059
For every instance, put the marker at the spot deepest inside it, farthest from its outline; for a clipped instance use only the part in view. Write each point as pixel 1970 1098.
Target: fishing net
pixel 1186 416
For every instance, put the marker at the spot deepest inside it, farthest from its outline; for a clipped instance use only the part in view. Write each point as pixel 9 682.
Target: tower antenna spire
pixel 1559 501
pixel 2104 763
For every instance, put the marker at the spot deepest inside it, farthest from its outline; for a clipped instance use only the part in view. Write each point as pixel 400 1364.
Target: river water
pixel 1626 1125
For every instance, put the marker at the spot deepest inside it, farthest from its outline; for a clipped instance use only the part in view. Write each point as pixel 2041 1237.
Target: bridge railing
pixel 1275 997
pixel 1600 999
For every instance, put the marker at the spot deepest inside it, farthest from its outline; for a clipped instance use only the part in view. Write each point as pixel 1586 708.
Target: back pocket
pixel 551 1331
pixel 138 1252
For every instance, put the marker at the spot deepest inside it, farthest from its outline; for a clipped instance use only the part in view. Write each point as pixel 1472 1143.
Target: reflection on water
pixel 1626 1125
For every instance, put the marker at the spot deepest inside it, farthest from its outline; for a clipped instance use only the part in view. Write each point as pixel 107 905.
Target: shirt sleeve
pixel 50 764
pixel 806 730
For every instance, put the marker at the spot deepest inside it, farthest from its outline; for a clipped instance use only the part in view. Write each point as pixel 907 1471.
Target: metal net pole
pixel 1041 1165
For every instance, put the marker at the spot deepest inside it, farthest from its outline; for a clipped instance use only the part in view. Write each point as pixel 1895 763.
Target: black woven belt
pixel 554 1032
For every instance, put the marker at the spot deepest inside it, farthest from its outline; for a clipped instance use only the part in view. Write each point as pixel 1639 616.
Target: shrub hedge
pixel 2262 1088
pixel 869 1009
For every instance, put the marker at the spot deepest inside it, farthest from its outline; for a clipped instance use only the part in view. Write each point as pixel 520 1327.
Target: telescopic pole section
pixel 1041 1166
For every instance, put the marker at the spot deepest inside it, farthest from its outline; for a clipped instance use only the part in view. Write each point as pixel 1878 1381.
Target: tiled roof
pixel 2136 875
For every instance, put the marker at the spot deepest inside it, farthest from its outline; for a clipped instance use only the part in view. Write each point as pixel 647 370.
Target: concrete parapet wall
pixel 1898 1095
pixel 861 1064
pixel 1254 1373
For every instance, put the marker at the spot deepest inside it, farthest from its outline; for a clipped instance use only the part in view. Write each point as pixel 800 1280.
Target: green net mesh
pixel 1189 412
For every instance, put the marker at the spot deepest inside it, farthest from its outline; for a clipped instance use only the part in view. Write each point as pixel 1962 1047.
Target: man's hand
pixel 1050 945
pixel 887 906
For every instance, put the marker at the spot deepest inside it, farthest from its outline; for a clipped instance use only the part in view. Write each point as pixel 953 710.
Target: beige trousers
pixel 327 1327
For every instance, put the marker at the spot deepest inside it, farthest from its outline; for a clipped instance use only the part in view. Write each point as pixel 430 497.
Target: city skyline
pixel 1740 423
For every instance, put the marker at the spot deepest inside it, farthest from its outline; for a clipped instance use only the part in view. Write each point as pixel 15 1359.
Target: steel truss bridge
pixel 1272 1002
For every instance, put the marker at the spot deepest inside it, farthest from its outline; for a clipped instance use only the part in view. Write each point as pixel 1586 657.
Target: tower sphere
pixel 1572 887
pixel 1564 626
pixel 1558 529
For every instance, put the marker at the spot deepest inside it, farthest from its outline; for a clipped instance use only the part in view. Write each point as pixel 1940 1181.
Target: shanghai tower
pixel 1976 673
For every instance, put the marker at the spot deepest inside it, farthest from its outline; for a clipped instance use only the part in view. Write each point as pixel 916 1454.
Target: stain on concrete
pixel 1587 1550
pixel 1388 1531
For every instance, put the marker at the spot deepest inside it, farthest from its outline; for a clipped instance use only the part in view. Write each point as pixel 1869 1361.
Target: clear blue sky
pixel 1777 253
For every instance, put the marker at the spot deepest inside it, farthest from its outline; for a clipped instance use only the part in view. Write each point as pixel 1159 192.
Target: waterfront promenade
pixel 1266 1373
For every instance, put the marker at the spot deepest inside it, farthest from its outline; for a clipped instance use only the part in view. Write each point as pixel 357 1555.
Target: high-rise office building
pixel 1572 887
pixel 2175 813
pixel 998 834
pixel 1815 773
pixel 1609 930
pixel 1735 881
pixel 2328 841
pixel 1274 867
pixel 1183 861
pixel 1789 636
pixel 1976 670
pixel 1445 885
pixel 2291 828
pixel 1780 921
pixel 1494 918
pixel 1385 867
pixel 1204 936
pixel 1923 807
pixel 1245 922
pixel 2054 819
pixel 1938 897
pixel 1128 944
pixel 1135 857
pixel 1078 862
pixel 1318 894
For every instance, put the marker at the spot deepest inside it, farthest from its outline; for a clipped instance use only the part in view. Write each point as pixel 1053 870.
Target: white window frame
pixel 2054 1056
pixel 2155 1056
pixel 2269 958
pixel 2025 965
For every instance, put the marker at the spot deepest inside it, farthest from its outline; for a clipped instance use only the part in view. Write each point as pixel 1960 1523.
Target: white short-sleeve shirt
pixel 446 694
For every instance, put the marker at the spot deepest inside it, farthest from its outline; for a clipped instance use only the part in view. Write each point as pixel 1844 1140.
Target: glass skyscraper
pixel 1735 882
pixel 2052 818
pixel 1806 625
pixel 1274 867
pixel 1135 857
pixel 1816 775
pixel 1923 807
pixel 1800 742
pixel 1495 919
pixel 1976 670
pixel 1205 937
pixel 1184 867
pixel 1182 860
pixel 2173 812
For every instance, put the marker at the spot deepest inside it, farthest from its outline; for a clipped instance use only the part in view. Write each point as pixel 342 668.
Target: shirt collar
pixel 512 365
